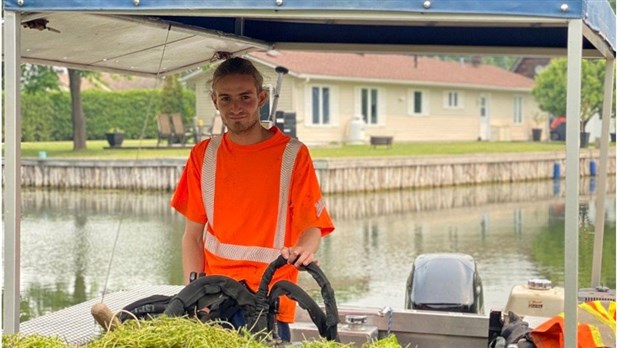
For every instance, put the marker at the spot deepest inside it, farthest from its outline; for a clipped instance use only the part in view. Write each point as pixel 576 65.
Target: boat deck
pixel 76 326
pixel 423 329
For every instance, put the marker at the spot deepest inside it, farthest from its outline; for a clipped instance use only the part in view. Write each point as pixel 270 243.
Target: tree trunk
pixel 77 112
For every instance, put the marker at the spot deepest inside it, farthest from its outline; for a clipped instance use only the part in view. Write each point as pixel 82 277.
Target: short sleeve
pixel 187 197
pixel 307 207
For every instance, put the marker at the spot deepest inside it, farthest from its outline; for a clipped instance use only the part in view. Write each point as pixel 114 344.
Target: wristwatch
pixel 193 276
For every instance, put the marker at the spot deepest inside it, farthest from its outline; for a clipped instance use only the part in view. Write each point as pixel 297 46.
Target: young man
pixel 249 195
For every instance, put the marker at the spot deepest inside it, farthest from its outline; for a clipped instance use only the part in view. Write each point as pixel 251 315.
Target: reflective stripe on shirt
pixel 239 252
pixel 207 179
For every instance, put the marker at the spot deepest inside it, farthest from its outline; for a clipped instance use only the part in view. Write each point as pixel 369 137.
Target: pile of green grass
pixel 165 332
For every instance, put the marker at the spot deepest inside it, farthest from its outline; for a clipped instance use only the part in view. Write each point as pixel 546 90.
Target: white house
pixel 405 96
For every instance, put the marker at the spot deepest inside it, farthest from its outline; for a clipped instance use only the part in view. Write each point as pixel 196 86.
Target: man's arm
pixel 305 248
pixel 192 248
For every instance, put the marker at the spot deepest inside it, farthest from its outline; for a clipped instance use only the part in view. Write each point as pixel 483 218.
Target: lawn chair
pixel 164 131
pixel 179 130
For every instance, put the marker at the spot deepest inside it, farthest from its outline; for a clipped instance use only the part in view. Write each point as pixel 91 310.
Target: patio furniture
pixel 179 130
pixel 164 130
pixel 381 140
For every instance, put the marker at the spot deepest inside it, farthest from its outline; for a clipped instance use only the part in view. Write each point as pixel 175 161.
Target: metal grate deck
pixel 76 326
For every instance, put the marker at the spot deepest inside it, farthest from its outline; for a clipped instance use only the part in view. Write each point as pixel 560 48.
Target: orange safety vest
pixel 596 327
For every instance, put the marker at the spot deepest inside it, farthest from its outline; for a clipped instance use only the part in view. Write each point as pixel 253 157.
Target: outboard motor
pixel 445 282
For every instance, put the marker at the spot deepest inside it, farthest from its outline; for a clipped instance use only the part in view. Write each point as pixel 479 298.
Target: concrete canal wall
pixel 335 175
pixel 351 175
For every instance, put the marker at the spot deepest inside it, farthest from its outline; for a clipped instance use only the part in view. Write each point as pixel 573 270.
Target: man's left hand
pixel 297 256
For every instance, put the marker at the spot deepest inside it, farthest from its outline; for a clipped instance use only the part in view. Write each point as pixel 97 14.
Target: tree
pixel 77 111
pixel 38 79
pixel 172 95
pixel 550 88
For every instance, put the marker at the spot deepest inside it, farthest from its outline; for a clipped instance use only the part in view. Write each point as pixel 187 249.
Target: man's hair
pixel 237 66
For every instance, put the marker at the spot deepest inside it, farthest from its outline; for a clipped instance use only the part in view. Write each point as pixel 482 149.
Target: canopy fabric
pixel 132 37
pixel 547 8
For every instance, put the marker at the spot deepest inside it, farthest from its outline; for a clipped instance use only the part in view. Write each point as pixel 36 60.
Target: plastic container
pixel 536 299
pixel 356 131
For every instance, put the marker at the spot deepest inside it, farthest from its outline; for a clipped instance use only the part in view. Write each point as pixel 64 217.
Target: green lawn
pixel 95 150
pixel 435 148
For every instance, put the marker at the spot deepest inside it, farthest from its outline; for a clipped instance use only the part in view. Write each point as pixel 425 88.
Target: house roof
pixel 392 67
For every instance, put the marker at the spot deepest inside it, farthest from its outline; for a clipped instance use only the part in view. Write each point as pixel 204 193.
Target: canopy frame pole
pixel 1 157
pixel 599 222
pixel 571 223
pixel 12 43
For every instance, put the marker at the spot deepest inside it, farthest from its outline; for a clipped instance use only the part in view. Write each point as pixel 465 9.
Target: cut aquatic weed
pixel 167 332
pixel 189 332
pixel 32 341
pixel 387 342
pixel 173 332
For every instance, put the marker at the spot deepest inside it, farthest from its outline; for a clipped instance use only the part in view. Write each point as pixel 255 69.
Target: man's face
pixel 238 102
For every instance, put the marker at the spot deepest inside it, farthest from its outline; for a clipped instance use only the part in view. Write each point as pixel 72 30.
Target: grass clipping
pixel 174 332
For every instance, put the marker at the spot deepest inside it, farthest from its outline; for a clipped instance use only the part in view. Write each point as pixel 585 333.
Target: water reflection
pixel 514 231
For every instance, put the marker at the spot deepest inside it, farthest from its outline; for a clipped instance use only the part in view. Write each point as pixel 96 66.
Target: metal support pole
pixel 599 222
pixel 12 172
pixel 571 223
pixel 1 157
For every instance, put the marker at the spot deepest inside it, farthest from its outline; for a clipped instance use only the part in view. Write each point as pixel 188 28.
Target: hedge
pixel 47 116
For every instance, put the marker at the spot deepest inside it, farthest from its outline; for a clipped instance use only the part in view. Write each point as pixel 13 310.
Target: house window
pixel 418 103
pixel 320 105
pixel 453 100
pixel 483 106
pixel 517 110
pixel 369 105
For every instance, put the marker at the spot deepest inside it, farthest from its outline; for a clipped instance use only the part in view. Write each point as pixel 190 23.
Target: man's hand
pixel 297 257
pixel 302 254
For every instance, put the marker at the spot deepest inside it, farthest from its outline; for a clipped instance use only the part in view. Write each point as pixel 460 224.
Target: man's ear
pixel 262 98
pixel 213 99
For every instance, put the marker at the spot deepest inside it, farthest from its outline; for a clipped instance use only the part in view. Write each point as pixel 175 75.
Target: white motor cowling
pixel 538 299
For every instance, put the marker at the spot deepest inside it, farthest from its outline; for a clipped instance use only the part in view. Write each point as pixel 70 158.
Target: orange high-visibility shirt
pixel 247 183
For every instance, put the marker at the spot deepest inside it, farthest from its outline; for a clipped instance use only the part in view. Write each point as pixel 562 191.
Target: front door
pixel 484 117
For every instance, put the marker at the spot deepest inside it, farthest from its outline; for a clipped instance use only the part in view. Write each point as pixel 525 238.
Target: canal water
pixel 76 244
